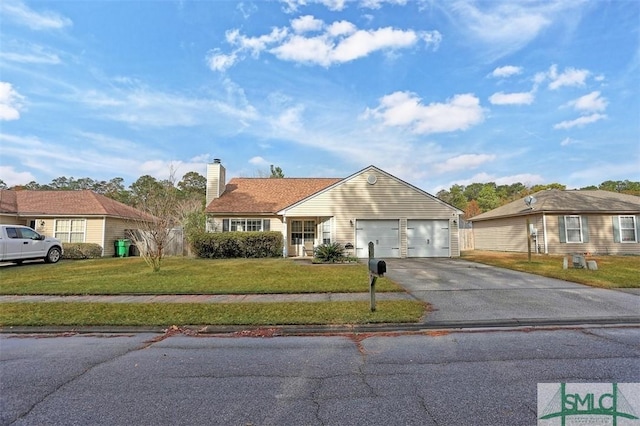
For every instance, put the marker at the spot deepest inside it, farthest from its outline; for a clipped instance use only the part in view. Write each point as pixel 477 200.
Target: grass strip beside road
pixel 182 275
pixel 613 271
pixel 183 314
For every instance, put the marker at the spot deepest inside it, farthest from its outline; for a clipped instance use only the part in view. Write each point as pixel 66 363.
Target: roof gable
pixel 568 202
pixel 369 169
pixel 265 195
pixel 49 203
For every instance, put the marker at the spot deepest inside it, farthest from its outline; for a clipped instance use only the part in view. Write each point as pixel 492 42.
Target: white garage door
pixel 428 238
pixel 385 235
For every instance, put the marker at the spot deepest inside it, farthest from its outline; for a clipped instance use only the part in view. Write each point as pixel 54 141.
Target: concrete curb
pixel 297 330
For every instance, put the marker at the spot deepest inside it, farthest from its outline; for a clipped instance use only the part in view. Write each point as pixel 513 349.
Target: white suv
pixel 19 243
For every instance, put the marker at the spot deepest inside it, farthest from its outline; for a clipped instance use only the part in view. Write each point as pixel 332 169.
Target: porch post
pixel 285 245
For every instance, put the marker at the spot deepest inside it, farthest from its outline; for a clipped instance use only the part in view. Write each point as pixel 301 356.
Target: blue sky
pixel 434 92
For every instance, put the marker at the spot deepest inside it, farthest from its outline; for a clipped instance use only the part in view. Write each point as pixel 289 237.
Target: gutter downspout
pixel 544 233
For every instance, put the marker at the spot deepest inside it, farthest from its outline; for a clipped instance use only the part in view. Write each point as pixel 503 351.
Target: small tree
pixel 162 210
pixel 276 172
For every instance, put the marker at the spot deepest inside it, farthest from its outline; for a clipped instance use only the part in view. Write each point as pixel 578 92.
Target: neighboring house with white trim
pixel 562 222
pixel 369 206
pixel 71 216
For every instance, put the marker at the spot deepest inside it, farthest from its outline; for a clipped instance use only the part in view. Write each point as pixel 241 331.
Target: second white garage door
pixel 385 235
pixel 428 238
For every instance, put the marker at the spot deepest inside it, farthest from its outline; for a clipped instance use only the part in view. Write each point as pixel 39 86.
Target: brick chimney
pixel 216 180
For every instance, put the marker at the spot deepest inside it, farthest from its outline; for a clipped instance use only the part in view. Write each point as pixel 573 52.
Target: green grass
pixel 180 275
pixel 167 314
pixel 613 271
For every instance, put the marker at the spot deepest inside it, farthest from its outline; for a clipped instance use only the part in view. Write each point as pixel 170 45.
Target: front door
pixel 303 235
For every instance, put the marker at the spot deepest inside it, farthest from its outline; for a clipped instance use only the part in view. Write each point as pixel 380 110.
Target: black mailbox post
pixel 377 267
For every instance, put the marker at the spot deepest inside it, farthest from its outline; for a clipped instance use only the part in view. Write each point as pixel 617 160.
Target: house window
pixel 573 228
pixel 628 229
pixel 303 231
pixel 70 230
pixel 326 232
pixel 245 225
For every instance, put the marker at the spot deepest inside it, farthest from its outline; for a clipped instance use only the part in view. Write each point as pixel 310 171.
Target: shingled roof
pixel 266 195
pixel 568 202
pixel 64 203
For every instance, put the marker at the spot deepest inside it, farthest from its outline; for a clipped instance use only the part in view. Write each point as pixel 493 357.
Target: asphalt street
pixel 446 377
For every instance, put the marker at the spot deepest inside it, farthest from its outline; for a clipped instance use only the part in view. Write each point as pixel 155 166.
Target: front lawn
pixel 613 271
pixel 167 314
pixel 181 275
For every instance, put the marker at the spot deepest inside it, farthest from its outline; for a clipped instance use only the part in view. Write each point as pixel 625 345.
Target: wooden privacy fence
pixel 466 239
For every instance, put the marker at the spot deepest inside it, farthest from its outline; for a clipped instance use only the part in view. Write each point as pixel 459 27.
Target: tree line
pixel 473 199
pixel 478 198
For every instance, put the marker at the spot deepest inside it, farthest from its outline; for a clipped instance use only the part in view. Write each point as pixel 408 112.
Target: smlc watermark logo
pixel 567 404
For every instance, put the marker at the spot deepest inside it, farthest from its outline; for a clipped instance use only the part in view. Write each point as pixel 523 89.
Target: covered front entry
pixel 385 235
pixel 428 238
pixel 302 237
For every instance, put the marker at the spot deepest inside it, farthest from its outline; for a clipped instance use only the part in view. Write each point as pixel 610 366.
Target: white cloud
pixel 523 98
pixel 405 109
pixel 527 179
pixel 377 4
pixel 506 71
pixel 141 106
pixel 338 42
pixel 19 12
pixel 290 119
pixel 570 77
pixel 591 102
pixel 464 162
pixel 28 54
pixel 10 102
pixel 306 23
pixel 219 61
pixel 12 178
pixel 580 121
pixel 258 161
pixel 568 141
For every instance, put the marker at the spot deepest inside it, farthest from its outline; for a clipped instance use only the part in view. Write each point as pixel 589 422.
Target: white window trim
pixel 566 229
pixel 68 240
pixel 634 228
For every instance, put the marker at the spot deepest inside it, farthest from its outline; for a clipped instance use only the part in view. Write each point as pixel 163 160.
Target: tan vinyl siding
pixel 601 239
pixel 388 198
pixel 93 231
pixel 11 220
pixel 114 230
pixel 508 234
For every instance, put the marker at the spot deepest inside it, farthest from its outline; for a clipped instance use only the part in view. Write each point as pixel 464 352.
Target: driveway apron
pixel 466 292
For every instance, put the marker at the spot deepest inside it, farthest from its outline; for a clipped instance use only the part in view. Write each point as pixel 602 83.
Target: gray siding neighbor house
pixel 562 222
pixel 369 206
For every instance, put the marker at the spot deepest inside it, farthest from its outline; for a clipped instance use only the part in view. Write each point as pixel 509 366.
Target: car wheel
pixel 53 255
pixel 18 262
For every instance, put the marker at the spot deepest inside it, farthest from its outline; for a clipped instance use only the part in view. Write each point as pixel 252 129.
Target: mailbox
pixel 377 267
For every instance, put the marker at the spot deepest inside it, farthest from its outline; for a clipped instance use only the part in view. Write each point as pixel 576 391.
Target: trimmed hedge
pixel 81 251
pixel 227 245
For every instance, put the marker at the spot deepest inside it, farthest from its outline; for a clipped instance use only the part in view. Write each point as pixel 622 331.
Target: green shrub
pixel 329 253
pixel 81 250
pixel 228 245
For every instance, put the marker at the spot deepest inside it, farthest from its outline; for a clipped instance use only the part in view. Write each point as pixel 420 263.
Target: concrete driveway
pixel 470 294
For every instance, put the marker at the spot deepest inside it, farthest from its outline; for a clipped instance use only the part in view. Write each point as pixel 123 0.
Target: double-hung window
pixel 627 229
pixel 573 229
pixel 70 230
